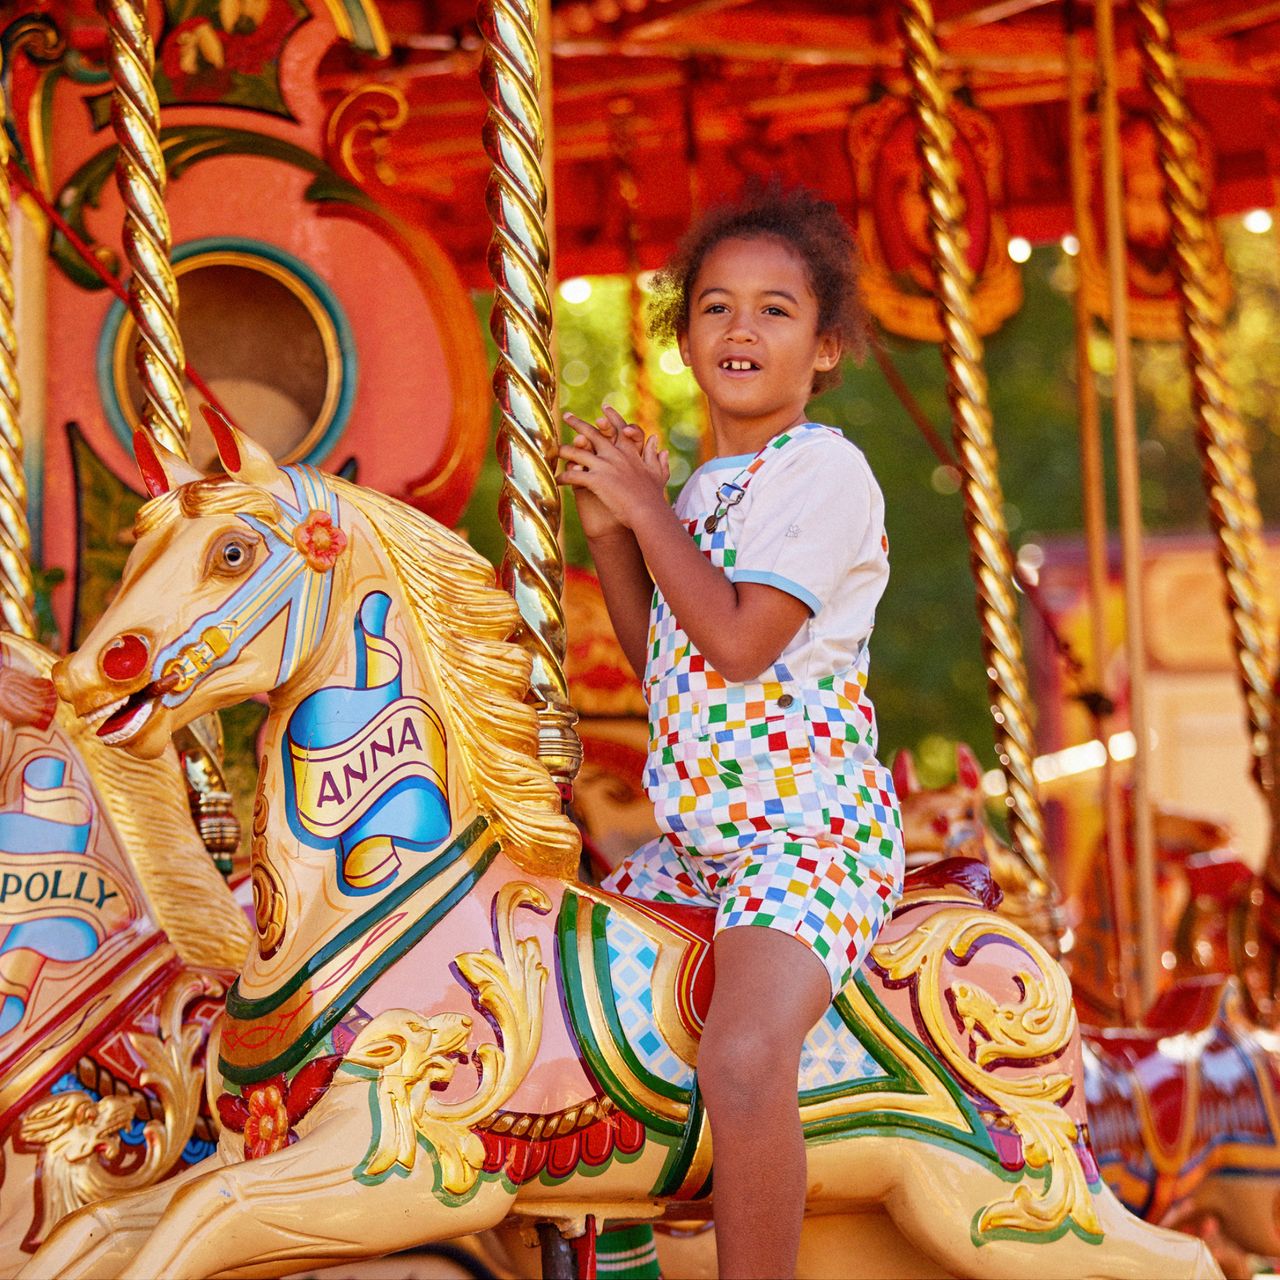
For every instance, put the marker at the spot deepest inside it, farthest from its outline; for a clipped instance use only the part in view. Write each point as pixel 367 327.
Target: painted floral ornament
pixel 267 1111
pixel 320 540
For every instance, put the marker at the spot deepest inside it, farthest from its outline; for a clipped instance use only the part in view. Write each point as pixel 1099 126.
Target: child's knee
pixel 738 1068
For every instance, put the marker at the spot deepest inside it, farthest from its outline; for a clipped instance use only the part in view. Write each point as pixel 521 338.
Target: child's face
pixel 753 341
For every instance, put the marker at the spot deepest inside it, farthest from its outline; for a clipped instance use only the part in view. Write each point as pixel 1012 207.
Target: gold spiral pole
pixel 140 176
pixel 524 380
pixel 1226 467
pixel 17 589
pixel 990 556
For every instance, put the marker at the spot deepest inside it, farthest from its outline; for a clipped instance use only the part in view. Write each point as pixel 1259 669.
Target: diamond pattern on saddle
pixel 832 1053
pixel 632 960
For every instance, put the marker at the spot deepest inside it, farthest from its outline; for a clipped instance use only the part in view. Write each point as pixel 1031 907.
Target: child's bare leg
pixel 770 990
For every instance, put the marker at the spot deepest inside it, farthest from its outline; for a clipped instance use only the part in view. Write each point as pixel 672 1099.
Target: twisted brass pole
pixel 1226 466
pixel 524 380
pixel 153 303
pixel 990 554
pixel 17 589
pixel 140 176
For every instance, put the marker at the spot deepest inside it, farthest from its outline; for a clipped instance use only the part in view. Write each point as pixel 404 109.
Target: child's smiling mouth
pixel 733 364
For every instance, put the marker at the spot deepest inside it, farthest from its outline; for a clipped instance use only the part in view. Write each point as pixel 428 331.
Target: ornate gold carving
pixel 1227 470
pixel 990 554
pixel 896 275
pixel 200 749
pixel 140 175
pixel 370 114
pixel 70 1129
pixel 524 381
pixel 464 622
pixel 270 908
pixel 17 591
pixel 415 1055
pixel 526 1124
pixel 1036 1029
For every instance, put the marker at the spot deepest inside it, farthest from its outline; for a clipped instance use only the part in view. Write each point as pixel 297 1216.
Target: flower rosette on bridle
pixel 319 540
pixel 304 541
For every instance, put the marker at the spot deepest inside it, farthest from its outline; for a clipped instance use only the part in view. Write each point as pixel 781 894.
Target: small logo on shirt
pixel 793 531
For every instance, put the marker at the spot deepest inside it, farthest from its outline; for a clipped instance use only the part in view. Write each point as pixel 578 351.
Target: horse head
pixel 225 594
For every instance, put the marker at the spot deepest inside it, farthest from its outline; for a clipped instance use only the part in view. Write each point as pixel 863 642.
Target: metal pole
pixel 962 351
pixel 140 176
pixel 1127 480
pixel 17 588
pixel 1093 494
pixel 1227 469
pixel 524 380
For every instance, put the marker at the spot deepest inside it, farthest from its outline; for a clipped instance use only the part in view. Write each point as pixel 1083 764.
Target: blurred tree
pixel 927 678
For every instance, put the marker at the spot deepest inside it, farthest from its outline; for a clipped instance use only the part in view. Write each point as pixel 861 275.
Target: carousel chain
pixel 17 588
pixel 140 176
pixel 524 380
pixel 1220 434
pixel 990 554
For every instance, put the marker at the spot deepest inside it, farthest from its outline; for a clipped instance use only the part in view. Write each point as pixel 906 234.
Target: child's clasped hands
pixel 617 471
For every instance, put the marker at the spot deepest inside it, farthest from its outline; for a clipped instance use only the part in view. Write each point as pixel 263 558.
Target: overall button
pixel 786 701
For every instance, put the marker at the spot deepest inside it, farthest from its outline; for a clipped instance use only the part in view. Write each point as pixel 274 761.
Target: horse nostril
pixel 125 658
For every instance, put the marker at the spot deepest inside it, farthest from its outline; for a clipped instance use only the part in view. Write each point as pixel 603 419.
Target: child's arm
pixel 739 628
pixel 624 578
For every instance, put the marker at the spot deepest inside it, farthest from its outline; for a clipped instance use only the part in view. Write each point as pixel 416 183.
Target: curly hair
pixel 807 225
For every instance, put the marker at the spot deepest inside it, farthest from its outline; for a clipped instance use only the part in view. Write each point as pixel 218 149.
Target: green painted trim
pixel 184 146
pixel 600 949
pixel 974 1141
pixel 244 1009
pixel 580 1020
pixel 681 1155
pixel 324 1022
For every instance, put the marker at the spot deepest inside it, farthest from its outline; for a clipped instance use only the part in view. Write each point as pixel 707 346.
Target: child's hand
pixel 598 520
pixel 615 470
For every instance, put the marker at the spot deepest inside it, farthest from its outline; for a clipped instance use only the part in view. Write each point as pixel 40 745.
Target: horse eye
pixel 233 555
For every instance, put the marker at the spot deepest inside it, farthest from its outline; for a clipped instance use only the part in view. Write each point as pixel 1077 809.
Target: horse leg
pixel 303 1207
pixel 99 1239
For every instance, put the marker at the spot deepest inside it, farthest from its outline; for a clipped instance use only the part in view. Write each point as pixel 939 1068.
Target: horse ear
pixel 160 468
pixel 241 456
pixel 968 770
pixel 904 774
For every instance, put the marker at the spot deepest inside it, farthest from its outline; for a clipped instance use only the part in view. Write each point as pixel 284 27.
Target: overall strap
pixel 731 492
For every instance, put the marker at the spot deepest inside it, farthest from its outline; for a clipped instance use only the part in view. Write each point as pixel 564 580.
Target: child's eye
pixel 775 311
pixel 714 308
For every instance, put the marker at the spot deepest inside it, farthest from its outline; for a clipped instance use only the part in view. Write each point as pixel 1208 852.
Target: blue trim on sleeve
pixel 803 594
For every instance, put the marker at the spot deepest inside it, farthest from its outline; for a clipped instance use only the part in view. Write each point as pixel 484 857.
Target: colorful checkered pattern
pixel 774 807
pixel 825 895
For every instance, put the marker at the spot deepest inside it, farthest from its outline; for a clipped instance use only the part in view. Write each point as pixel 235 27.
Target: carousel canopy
pixel 694 98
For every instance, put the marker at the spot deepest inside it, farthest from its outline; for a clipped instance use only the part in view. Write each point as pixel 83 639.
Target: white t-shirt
pixel 811 524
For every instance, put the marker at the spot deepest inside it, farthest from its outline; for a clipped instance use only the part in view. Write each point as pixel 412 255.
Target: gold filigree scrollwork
pixel 366 118
pixel 1033 1031
pixel 524 380
pixel 71 1130
pixel 415 1056
pixel 989 552
pixel 140 175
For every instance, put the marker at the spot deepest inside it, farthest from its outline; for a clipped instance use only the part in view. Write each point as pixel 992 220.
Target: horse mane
pixel 146 802
pixel 465 621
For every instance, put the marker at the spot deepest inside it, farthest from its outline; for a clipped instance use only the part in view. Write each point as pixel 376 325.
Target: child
pixel 753 646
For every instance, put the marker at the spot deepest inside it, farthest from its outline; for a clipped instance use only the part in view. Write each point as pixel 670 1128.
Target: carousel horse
pixel 1184 1110
pixel 439 1027
pixel 117 935
pixel 950 822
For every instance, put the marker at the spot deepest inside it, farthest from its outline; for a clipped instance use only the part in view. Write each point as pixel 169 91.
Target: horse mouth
pixel 125 718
